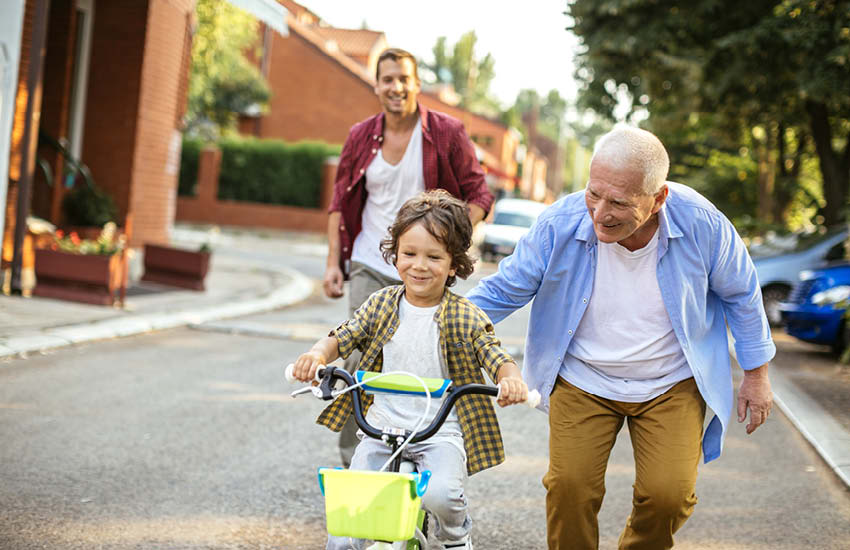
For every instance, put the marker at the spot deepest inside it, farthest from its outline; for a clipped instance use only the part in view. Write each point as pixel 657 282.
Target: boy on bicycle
pixel 424 328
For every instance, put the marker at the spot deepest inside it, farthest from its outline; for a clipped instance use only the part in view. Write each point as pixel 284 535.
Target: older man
pixel 635 281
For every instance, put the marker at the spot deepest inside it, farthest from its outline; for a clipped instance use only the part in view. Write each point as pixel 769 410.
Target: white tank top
pixel 387 187
pixel 624 347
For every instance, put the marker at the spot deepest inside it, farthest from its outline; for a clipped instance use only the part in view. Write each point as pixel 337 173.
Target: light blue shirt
pixel 705 274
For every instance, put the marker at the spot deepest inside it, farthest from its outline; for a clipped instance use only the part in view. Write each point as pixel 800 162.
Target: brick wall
pixel 314 97
pixel 161 104
pixel 112 110
pixel 135 99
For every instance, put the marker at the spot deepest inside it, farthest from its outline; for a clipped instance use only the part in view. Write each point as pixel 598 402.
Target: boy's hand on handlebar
pixel 305 367
pixel 513 391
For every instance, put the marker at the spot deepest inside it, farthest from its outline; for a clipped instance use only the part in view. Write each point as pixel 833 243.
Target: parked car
pixel 512 218
pixel 778 272
pixel 816 306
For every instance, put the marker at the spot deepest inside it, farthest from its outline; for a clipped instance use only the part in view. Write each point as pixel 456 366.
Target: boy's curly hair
pixel 446 219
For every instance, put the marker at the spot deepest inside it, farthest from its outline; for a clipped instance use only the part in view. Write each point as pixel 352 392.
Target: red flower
pixel 59 233
pixel 75 238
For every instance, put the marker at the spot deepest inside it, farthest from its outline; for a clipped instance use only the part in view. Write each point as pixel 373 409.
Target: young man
pixel 387 159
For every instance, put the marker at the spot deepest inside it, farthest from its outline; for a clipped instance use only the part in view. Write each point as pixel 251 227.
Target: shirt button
pixel 362 170
pixel 348 188
pixel 375 136
pixel 342 227
pixel 569 332
pixel 374 151
pixel 345 249
pixel 584 301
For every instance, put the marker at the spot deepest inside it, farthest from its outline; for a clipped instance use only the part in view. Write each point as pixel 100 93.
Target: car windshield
pixel 513 218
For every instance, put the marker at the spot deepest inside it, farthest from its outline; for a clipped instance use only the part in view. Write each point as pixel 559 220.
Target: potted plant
pixel 81 270
pixel 179 267
pixel 86 209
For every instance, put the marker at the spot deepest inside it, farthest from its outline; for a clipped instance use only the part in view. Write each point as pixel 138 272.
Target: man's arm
pixel 333 274
pixel 755 394
pixel 476 214
pixel 469 175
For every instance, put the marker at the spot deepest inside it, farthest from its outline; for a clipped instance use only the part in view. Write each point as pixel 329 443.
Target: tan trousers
pixel 666 433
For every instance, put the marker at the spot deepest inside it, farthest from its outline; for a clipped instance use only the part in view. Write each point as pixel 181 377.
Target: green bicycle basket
pixel 372 505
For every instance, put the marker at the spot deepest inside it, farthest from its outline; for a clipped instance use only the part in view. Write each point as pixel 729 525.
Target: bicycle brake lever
pixel 325 386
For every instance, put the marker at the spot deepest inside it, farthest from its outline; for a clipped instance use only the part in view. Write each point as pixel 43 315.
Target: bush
pixel 262 170
pixel 273 172
pixel 88 206
pixel 187 182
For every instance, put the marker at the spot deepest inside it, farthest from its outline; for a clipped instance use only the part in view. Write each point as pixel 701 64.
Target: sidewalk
pixel 235 287
pixel 243 284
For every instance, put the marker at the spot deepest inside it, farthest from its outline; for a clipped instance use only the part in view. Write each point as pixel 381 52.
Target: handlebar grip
pixel 532 400
pixel 290 377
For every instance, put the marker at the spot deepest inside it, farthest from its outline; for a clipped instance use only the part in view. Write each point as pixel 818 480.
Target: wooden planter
pixel 175 266
pixel 89 278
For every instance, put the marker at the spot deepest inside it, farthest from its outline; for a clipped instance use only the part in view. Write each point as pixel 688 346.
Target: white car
pixel 512 219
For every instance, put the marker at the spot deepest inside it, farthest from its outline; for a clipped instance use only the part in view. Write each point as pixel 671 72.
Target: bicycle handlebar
pixel 327 375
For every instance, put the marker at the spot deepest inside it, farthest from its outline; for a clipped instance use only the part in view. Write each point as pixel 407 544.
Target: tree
pixel 470 76
pixel 716 77
pixel 223 81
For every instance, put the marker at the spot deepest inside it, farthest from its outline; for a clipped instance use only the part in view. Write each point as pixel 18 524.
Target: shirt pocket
pixel 462 361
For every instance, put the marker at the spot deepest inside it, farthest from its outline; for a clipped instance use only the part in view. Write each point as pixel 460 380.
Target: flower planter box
pixel 88 278
pixel 176 267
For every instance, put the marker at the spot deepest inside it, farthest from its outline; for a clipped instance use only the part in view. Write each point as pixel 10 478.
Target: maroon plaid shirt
pixel 448 162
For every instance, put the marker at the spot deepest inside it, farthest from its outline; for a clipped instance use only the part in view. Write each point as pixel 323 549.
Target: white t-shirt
pixel 387 187
pixel 624 347
pixel 415 347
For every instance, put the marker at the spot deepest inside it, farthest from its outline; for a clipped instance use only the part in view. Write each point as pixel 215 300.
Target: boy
pixel 423 327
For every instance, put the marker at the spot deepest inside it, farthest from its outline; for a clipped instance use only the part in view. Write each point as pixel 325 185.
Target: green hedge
pixel 266 171
pixel 188 182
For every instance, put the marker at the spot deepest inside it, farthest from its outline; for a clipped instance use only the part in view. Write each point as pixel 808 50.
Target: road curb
pixel 299 288
pixel 829 439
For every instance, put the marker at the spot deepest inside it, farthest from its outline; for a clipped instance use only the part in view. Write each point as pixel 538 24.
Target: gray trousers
pixel 444 497
pixel 363 282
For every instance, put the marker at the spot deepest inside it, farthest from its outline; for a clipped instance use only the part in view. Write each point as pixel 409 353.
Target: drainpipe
pixel 30 139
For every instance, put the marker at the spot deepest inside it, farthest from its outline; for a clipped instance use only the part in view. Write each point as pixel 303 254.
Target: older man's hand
pixel 755 394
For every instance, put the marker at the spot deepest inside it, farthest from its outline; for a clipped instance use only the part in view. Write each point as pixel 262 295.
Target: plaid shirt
pixel 448 162
pixel 468 344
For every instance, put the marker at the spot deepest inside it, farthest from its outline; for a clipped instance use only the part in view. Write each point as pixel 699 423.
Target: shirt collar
pixel 378 125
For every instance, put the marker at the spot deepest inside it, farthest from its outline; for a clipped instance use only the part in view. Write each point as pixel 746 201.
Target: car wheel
pixel 772 297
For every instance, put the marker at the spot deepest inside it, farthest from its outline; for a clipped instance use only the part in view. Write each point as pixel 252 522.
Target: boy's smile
pixel 424 266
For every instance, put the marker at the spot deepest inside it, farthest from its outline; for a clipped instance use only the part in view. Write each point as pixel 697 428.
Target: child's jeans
pixel 444 498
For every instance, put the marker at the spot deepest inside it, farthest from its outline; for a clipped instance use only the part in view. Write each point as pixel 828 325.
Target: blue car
pixel 815 308
pixel 778 268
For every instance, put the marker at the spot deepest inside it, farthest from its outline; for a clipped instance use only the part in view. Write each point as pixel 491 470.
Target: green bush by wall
pixel 188 182
pixel 263 170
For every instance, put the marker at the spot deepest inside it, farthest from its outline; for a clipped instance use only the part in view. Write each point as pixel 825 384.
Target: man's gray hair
pixel 627 147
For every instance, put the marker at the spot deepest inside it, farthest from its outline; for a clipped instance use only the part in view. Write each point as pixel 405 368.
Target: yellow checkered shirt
pixel 468 344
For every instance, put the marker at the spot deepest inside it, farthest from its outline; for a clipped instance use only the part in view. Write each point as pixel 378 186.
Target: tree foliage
pixel 223 81
pixel 758 86
pixel 470 75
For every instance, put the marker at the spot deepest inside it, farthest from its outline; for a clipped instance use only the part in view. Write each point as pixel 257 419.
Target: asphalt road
pixel 188 439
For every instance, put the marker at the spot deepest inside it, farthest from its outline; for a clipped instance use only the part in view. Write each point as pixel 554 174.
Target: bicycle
pixel 385 506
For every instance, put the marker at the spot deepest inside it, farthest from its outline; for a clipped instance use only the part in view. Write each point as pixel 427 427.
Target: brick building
pixel 113 83
pixel 322 80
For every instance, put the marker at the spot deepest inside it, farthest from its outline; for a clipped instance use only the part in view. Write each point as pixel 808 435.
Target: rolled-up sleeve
pixel 468 171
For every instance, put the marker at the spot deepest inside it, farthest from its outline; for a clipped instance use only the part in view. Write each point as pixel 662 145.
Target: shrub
pixel 262 170
pixel 188 179
pixel 273 172
pixel 88 206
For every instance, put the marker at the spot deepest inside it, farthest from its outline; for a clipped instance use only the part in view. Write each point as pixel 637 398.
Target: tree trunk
pixel 834 167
